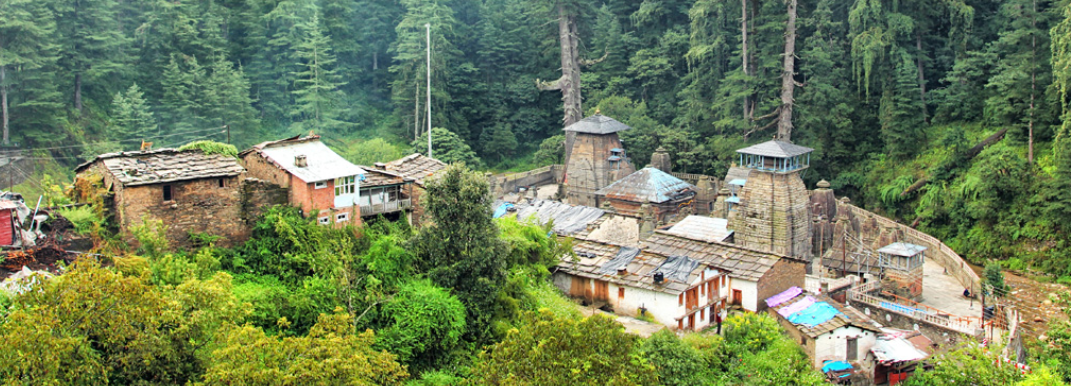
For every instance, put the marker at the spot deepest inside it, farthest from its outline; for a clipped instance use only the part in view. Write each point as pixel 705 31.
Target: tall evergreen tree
pixel 26 44
pixel 316 88
pixel 92 45
pixel 131 118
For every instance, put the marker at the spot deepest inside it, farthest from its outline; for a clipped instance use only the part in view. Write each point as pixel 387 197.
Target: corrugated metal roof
pixel 902 249
pixel 776 148
pixel 323 163
pixel 647 185
pixel 896 350
pixel 568 219
pixel 597 124
pixel 165 165
pixel 702 228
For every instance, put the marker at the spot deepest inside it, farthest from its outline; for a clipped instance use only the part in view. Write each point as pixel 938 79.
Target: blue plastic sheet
pixel 836 366
pixel 502 209
pixel 814 315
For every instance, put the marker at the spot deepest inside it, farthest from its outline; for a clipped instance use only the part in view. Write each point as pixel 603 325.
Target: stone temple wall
pixel 773 214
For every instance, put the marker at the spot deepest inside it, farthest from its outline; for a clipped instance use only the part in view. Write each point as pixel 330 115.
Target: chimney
pixel 301 161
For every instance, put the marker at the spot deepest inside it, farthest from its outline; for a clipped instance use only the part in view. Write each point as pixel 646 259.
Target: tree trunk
pixel 1033 83
pixel 78 91
pixel 743 49
pixel 3 101
pixel 416 112
pixel 788 84
pixel 922 77
pixel 569 83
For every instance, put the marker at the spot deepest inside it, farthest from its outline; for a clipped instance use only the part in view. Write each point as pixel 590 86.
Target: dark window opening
pixel 222 183
pixel 167 193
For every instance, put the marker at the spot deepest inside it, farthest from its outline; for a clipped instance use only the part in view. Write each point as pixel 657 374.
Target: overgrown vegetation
pixel 211 147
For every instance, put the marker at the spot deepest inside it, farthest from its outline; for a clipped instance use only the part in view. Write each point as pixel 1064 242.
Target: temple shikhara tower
pixel 769 207
pixel 597 159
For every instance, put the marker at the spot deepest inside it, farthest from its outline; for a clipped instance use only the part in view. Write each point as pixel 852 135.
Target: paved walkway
pixel 945 293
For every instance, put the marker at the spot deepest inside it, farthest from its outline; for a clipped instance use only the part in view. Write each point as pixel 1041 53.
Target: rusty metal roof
pixel 647 185
pixel 165 165
pixel 416 166
pixel 778 149
pixel 597 124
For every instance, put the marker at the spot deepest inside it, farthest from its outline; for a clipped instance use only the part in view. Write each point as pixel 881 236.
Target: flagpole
pixel 428 27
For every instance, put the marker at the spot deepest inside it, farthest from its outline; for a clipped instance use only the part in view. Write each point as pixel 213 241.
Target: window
pixel 320 185
pixel 345 185
pixel 620 292
pixel 342 217
pixel 680 299
pixel 168 196
pixel 222 183
pixel 325 220
pixel 853 349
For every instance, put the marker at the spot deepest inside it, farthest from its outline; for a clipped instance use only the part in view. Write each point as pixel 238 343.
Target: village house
pixel 896 355
pixel 826 329
pixel 418 168
pixel 188 191
pixel 384 193
pixel 677 291
pixel 319 180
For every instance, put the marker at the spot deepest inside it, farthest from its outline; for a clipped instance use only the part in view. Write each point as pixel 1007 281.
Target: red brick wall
pixel 258 167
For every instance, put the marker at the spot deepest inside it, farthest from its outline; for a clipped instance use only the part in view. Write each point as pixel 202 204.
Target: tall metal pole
pixel 428 27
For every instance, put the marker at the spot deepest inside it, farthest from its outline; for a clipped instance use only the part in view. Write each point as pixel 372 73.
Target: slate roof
pixel 776 148
pixel 376 177
pixel 702 228
pixel 415 166
pixel 593 255
pixel 597 124
pixel 165 165
pixel 647 185
pixel 902 249
pixel 741 263
pixel 323 163
pixel 847 316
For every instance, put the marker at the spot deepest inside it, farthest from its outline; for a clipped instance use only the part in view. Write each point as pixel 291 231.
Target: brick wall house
pixel 189 191
pixel 318 179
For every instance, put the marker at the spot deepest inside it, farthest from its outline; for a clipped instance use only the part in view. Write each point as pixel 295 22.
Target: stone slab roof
pixel 778 149
pixel 847 316
pixel 741 263
pixel 165 165
pixel 415 166
pixel 376 177
pixel 648 185
pixel 323 164
pixel 702 228
pixel 591 256
pixel 902 249
pixel 597 124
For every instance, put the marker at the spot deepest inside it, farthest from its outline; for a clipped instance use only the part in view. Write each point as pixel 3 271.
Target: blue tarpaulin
pixel 502 209
pixel 902 309
pixel 814 315
pixel 836 366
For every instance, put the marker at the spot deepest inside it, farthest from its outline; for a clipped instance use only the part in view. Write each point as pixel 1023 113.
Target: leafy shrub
pixel 83 218
pixel 269 297
pixel 424 323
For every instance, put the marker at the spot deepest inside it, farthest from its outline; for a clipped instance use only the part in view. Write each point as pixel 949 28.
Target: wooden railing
pixel 386 207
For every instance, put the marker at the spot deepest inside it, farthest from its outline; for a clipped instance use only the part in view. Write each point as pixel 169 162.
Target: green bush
pixel 424 323
pixel 83 218
pixel 211 147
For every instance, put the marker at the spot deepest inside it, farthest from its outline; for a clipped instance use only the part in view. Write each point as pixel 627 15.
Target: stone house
pixel 189 191
pixel 677 291
pixel 319 180
pixel 384 193
pixel 826 329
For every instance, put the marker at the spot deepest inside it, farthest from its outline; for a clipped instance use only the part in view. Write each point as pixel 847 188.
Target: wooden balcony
pixel 386 207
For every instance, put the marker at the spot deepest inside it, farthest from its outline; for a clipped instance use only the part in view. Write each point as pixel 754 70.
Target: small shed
pixel 902 264
pixel 8 220
pixel 896 356
pixel 826 329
